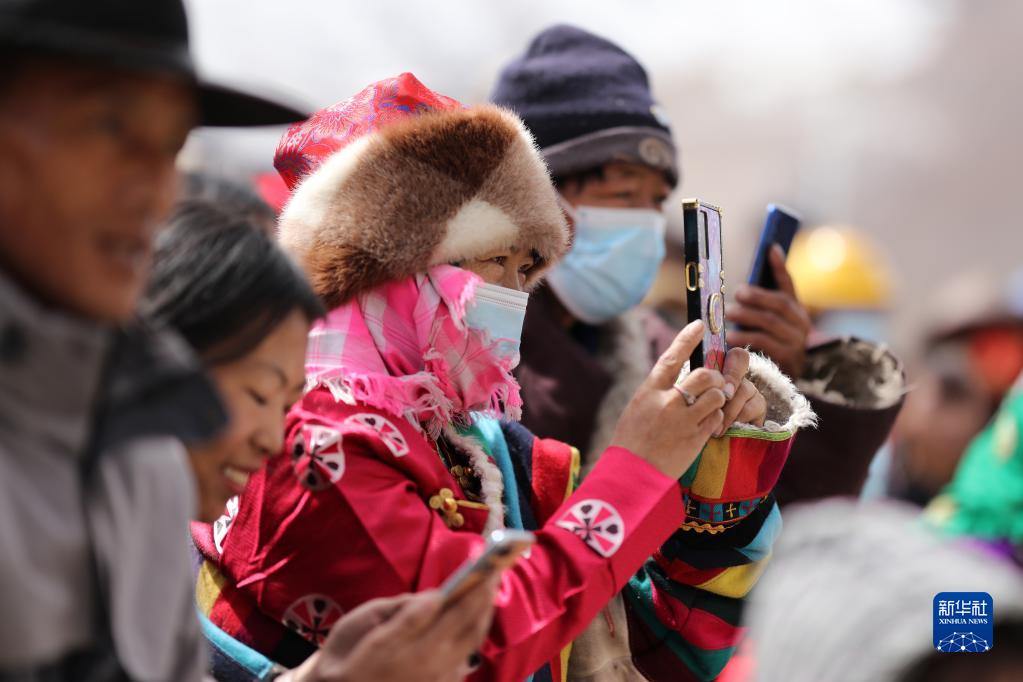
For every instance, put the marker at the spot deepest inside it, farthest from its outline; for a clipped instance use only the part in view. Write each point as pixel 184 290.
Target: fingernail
pixel 729 391
pixel 778 250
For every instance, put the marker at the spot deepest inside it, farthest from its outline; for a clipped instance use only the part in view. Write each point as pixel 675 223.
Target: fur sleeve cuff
pixel 787 409
pixel 853 373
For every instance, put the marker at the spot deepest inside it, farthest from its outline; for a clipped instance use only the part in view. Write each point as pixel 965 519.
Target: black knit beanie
pixel 587 102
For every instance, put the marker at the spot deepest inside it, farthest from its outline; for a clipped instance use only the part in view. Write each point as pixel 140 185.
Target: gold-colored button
pixel 457 520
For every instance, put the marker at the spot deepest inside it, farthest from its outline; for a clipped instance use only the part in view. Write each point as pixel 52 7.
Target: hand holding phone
pixel 780 226
pixel 767 315
pixel 502 549
pixel 406 637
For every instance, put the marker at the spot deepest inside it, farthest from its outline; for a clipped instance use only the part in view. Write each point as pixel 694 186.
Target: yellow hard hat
pixel 838 268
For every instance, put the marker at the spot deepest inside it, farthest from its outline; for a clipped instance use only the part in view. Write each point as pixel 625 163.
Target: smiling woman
pixel 222 283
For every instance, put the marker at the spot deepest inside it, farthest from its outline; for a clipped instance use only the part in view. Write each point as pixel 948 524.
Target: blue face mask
pixel 499 312
pixel 612 264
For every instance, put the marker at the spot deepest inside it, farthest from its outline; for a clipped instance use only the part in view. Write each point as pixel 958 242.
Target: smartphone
pixel 705 280
pixel 780 227
pixel 502 549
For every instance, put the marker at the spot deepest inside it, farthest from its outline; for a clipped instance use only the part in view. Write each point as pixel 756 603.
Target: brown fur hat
pixel 398 179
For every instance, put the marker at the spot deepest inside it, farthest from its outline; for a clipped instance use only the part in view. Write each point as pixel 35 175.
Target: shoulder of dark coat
pixel 153 385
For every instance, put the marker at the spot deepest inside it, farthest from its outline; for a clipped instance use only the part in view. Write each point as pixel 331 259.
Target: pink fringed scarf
pixel 404 348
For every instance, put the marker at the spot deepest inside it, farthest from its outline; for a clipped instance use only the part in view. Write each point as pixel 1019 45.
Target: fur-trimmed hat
pixel 399 178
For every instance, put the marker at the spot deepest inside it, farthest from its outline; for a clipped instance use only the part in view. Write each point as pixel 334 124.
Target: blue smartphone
pixel 780 227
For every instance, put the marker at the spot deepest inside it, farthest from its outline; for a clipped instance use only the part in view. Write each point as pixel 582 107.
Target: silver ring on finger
pixel 686 395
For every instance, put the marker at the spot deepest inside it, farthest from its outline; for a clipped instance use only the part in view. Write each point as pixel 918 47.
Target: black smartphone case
pixel 704 280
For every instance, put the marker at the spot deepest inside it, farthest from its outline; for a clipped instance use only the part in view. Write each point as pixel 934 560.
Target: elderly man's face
pixel 86 174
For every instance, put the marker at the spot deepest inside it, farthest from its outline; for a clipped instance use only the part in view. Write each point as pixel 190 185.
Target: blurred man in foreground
pixel 96 100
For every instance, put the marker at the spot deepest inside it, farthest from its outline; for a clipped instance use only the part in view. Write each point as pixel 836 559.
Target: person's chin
pixel 207 515
pixel 213 507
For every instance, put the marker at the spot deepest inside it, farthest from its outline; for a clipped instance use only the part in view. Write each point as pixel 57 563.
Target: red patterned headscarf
pixel 308 144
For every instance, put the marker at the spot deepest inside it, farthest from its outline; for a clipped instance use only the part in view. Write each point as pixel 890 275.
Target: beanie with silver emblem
pixel 587 103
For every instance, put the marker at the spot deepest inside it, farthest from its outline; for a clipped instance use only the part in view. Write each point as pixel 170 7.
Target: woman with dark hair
pixel 221 282
pixel 224 193
pixel 245 308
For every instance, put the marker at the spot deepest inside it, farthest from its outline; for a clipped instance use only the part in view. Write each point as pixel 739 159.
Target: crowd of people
pixel 244 445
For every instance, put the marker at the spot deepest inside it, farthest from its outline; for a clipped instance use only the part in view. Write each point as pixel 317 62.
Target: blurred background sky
pixel 899 117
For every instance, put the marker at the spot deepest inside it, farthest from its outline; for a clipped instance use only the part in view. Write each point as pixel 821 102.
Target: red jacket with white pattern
pixel 344 516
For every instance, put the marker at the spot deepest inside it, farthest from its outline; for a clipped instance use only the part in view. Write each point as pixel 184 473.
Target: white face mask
pixel 499 312
pixel 613 261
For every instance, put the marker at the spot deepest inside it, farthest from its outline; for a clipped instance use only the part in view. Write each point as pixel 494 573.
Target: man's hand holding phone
pixel 774 322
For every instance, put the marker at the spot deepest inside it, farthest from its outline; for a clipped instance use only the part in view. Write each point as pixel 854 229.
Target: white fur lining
pixel 304 215
pixel 787 409
pixel 477 227
pixel 628 362
pixel 314 196
pixel 491 481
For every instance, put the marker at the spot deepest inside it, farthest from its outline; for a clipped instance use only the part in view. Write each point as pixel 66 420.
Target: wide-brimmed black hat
pixel 136 35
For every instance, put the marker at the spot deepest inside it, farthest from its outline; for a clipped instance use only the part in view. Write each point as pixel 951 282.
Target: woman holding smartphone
pixel 422 224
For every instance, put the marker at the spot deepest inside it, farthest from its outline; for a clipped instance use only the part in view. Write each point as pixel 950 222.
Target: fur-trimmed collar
pixel 439 187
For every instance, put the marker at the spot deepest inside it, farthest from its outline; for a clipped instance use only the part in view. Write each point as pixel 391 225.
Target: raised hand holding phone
pixel 704 283
pixel 780 227
pixel 772 321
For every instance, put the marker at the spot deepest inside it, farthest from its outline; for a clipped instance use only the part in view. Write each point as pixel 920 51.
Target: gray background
pixel 900 117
